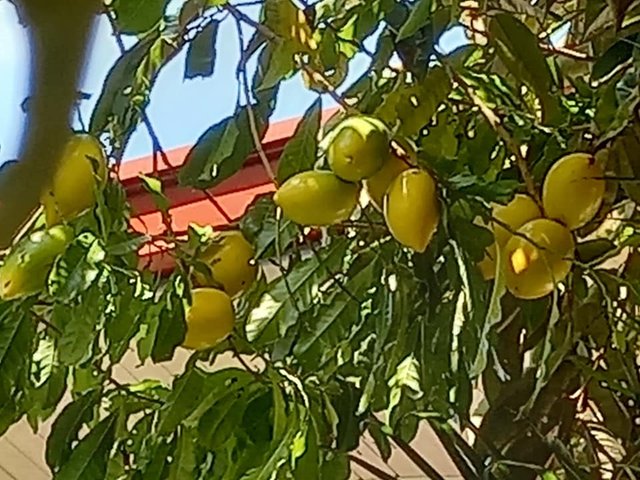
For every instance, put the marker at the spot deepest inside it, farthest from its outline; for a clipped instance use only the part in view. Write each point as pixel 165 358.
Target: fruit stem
pixel 242 70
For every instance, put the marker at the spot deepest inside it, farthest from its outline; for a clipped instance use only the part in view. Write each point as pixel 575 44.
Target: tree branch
pixel 381 474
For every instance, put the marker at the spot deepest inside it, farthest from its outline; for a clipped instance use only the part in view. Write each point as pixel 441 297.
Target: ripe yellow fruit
pixel 82 167
pixel 230 261
pixel 317 198
pixel 520 210
pixel 573 190
pixel 538 258
pixel 411 208
pixel 378 184
pixel 26 268
pixel 359 148
pixel 209 318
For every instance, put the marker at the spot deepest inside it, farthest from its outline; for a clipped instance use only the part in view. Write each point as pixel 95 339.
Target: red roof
pixel 218 207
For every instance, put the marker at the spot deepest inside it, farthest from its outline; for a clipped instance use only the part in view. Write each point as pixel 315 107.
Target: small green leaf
pixel 300 152
pixel 201 54
pixel 154 186
pixel 138 16
pixel 419 16
pixel 89 458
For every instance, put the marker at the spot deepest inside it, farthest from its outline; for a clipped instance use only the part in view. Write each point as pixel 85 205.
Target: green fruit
pixel 573 190
pixel 520 210
pixel 82 167
pixel 359 148
pixel 378 184
pixel 230 261
pixel 538 258
pixel 209 319
pixel 317 198
pixel 26 268
pixel 411 208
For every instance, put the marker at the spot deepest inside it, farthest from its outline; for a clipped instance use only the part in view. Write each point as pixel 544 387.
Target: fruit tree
pixel 477 269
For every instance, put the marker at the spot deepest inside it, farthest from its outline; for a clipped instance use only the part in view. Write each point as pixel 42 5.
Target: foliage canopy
pixel 357 334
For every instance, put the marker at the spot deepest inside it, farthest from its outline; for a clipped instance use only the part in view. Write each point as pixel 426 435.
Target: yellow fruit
pixel 82 167
pixel 317 198
pixel 230 261
pixel 209 319
pixel 359 148
pixel 378 184
pixel 538 258
pixel 411 208
pixel 573 190
pixel 26 268
pixel 520 210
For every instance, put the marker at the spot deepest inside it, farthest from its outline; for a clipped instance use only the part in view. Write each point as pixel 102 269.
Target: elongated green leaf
pixel 518 49
pixel 335 318
pixel 66 427
pixel 262 228
pixel 201 54
pixel 301 150
pixel 80 327
pixel 17 329
pixel 291 294
pixel 220 151
pixel 137 16
pixel 184 398
pixel 115 98
pixel 89 458
pixel 419 16
pixel 184 460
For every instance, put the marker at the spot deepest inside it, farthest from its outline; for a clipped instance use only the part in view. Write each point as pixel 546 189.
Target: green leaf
pixel 300 152
pixel 79 326
pixel 89 458
pixel 616 54
pixel 518 49
pixel 261 226
pixel 115 98
pixel 333 320
pixel 138 16
pixel 184 398
pixel 412 104
pixel 184 460
pixel 17 330
pixel 292 293
pixel 221 151
pixel 419 16
pixel 201 54
pixel 153 185
pixel 66 427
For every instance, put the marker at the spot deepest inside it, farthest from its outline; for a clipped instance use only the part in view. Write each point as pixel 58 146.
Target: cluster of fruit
pixel 81 170
pixel 229 269
pixel 537 244
pixel 359 154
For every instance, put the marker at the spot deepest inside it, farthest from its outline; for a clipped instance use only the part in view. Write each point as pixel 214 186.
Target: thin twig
pixel 242 17
pixel 381 474
pixel 123 388
pixel 244 364
pixel 257 141
pixel 417 459
pixel 218 207
pixel 155 141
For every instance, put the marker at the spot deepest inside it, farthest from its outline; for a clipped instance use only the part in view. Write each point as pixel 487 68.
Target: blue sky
pixel 180 110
